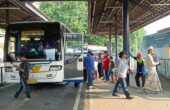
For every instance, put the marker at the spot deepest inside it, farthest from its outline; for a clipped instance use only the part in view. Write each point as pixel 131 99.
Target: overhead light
pixel 164 4
pixel 9 8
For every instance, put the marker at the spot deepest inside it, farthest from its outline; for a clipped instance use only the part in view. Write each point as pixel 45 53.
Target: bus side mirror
pixel 12 56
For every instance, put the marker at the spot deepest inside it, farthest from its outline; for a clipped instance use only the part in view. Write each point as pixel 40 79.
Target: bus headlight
pixel 8 69
pixel 55 68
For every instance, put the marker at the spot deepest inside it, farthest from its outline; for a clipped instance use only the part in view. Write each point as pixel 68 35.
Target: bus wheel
pixel 76 84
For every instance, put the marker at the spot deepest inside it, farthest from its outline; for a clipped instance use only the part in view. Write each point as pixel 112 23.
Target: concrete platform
pixel 101 98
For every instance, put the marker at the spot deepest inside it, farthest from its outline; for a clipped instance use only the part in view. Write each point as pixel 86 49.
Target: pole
pixel 125 26
pixel 110 40
pixel 126 32
pixel 116 42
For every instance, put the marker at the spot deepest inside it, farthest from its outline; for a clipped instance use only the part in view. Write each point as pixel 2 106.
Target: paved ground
pixel 44 97
pixel 101 98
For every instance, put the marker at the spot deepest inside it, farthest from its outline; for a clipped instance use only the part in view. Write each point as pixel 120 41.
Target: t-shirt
pixel 106 63
pixel 139 64
pixel 89 61
pixel 122 68
pixel 26 67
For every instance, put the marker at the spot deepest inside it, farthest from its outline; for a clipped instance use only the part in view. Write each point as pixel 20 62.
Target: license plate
pixel 32 81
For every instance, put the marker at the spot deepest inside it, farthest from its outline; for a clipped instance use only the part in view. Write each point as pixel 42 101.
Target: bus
pixel 45 46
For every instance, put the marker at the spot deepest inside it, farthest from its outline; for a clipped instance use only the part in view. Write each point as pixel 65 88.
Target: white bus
pixel 44 45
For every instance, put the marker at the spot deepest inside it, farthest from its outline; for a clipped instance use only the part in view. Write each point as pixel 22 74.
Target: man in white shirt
pixel 121 72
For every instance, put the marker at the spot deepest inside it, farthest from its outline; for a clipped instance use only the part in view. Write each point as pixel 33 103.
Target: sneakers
pixel 106 81
pixel 91 87
pixel 26 99
pixel 87 90
pixel 129 97
pixel 137 87
pixel 114 94
pixel 15 96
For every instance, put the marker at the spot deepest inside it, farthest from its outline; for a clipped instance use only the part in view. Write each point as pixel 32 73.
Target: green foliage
pixel 73 14
pixel 136 39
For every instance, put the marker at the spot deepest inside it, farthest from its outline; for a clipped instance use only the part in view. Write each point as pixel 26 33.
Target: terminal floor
pixel 101 98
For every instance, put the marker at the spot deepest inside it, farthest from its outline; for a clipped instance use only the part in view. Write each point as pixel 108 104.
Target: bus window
pixel 36 45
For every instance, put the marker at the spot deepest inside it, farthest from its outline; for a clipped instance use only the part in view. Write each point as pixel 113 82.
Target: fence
pixel 164 68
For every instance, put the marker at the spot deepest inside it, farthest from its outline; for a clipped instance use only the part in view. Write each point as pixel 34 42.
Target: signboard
pixel 32 32
pixel 73 36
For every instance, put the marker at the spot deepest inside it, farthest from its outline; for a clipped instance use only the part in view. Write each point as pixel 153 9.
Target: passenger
pixel 58 45
pixel 40 47
pixel 25 48
pixel 90 69
pixel 58 49
pixel 140 72
pixel 152 81
pixel 106 63
pixel 100 65
pixel 121 72
pixel 111 71
pixel 24 76
pixel 47 46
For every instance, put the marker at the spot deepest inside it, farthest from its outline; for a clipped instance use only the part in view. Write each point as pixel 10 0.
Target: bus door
pixel 73 55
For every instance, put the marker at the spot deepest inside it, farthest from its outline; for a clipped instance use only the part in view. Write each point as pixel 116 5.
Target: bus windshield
pixel 34 44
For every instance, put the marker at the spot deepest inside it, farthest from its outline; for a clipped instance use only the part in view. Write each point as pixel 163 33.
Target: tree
pixel 136 39
pixel 75 16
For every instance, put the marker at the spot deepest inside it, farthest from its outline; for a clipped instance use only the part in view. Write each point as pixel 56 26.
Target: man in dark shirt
pixel 24 76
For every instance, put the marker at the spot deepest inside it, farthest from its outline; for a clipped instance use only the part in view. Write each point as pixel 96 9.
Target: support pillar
pixel 125 26
pixel 126 32
pixel 110 40
pixel 116 42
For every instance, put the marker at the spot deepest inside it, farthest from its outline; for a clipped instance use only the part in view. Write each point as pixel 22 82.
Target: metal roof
pixel 18 11
pixel 102 14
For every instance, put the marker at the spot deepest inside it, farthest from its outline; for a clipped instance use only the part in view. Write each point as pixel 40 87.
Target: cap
pixel 150 48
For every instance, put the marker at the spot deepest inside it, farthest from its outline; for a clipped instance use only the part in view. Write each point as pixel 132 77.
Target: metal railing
pixel 164 68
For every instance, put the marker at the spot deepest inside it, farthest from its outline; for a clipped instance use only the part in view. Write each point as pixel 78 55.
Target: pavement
pixel 101 98
pixel 44 97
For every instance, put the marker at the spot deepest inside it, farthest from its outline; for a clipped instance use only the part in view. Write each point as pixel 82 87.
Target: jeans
pixel 104 76
pixel 100 70
pixel 84 75
pixel 122 82
pixel 90 77
pixel 128 79
pixel 138 75
pixel 24 86
pixel 107 75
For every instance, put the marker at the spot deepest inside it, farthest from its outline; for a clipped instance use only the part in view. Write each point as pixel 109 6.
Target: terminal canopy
pixel 103 13
pixel 16 11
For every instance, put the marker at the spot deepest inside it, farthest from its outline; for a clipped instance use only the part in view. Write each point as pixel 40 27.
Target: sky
pixel 158 25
